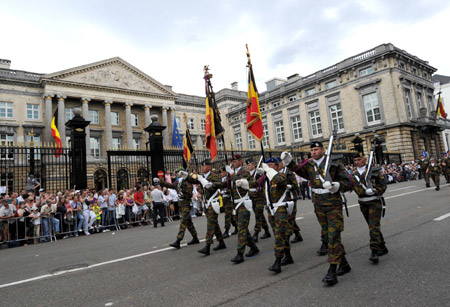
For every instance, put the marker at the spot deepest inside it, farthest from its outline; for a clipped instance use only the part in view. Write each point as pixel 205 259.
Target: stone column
pixel 165 131
pixel 62 118
pixel 85 108
pixel 148 120
pixel 108 127
pixel 172 118
pixel 48 116
pixel 129 128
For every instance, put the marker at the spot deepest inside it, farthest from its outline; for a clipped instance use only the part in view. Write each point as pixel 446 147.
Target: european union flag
pixel 425 153
pixel 176 138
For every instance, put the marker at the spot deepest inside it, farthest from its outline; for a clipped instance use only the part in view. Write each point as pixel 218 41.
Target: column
pixel 108 128
pixel 48 116
pixel 172 118
pixel 85 108
pixel 129 128
pixel 165 131
pixel 62 118
pixel 148 120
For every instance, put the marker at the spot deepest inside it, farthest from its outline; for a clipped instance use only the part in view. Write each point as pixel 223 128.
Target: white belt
pixel 364 199
pixel 321 191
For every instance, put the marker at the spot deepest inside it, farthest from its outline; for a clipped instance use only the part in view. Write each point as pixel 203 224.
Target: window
pixel 337 120
pixel 136 143
pixel 6 109
pixel 408 103
pixel 430 104
pixel 219 143
pixel 425 75
pixel 402 65
pixel 251 141
pixel 366 71
pixel 296 128
pixel 292 98
pixel 279 132
pixel 116 143
pixel 95 147
pixel 414 70
pixel 262 107
pixel 419 100
pixel 265 140
pixel 93 116
pixel 114 118
pixel 134 120
pixel 276 104
pixel 191 124
pixel 32 111
pixel 372 108
pixel 331 84
pixel 203 124
pixel 310 91
pixel 6 139
pixel 316 124
pixel 69 114
pixel 237 137
pixel 37 142
pixel 203 141
pixel 178 121
pixel 235 118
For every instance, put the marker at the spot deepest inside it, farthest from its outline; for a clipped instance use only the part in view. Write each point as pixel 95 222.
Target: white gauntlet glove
pixel 270 172
pixel 286 158
pixel 183 174
pixel 229 170
pixel 205 183
pixel 265 167
pixel 370 192
pixel 333 187
pixel 242 183
pixel 155 180
pixel 288 187
pixel 259 171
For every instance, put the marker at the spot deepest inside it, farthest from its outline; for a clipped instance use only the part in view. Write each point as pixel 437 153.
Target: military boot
pixel 276 266
pixel 323 249
pixel 226 233
pixel 220 246
pixel 374 257
pixel 266 233
pixel 437 188
pixel 427 185
pixel 176 244
pixel 344 267
pixel 235 231
pixel 252 252
pixel 297 238
pixel 255 236
pixel 383 250
pixel 331 278
pixel 194 240
pixel 287 258
pixel 238 258
pixel 205 250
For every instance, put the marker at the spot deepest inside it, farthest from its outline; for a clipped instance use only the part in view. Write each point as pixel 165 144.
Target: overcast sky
pixel 172 40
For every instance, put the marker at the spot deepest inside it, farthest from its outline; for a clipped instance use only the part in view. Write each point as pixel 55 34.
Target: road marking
pixel 442 217
pixel 411 186
pixel 300 218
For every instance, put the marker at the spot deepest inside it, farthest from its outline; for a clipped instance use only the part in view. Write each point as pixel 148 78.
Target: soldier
pixel 434 171
pixel 227 206
pixel 328 203
pixel 279 207
pixel 259 202
pixel 423 163
pixel 446 167
pixel 212 207
pixel 370 203
pixel 184 189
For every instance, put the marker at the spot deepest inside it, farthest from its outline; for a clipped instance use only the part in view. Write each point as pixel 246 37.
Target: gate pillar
pixel 155 139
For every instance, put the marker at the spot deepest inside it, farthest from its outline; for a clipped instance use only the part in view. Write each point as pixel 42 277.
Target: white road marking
pixel 411 186
pixel 442 217
pixel 300 218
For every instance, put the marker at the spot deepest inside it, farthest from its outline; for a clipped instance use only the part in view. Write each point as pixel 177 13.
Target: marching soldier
pixel 259 202
pixel 328 203
pixel 370 202
pixel 423 163
pixel 212 207
pixel 446 167
pixel 227 206
pixel 434 171
pixel 184 189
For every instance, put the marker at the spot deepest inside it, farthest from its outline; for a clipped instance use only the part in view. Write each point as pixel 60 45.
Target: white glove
pixel 229 170
pixel 155 180
pixel 259 171
pixel 183 174
pixel 207 185
pixel 243 183
pixel 327 185
pixel 333 187
pixel 286 158
pixel 289 187
pixel 370 192
pixel 203 181
pixel 265 167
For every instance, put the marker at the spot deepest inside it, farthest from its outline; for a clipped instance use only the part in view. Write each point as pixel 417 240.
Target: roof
pixel 441 79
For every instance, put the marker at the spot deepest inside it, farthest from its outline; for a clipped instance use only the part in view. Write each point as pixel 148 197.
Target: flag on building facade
pixel 213 125
pixel 55 133
pixel 176 138
pixel 254 119
pixel 188 149
pixel 440 108
pixel 425 153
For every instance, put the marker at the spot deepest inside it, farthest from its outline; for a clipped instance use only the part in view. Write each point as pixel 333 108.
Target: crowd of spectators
pixel 396 172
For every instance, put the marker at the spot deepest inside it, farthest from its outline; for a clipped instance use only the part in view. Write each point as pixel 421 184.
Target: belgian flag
pixel 55 134
pixel 213 125
pixel 254 119
pixel 188 149
pixel 440 108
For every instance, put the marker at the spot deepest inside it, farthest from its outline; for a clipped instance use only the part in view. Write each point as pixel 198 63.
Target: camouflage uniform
pixel 446 169
pixel 259 202
pixel 371 206
pixel 227 207
pixel 292 180
pixel 423 170
pixel 434 172
pixel 327 206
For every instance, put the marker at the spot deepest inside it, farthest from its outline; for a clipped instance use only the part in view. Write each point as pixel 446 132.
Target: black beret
pixel 206 162
pixel 250 160
pixel 357 155
pixel 316 144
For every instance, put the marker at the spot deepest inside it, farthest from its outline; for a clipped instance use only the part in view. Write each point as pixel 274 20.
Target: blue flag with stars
pixel 176 138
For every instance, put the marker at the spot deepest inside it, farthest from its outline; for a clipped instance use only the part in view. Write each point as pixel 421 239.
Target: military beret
pixel 357 155
pixel 236 157
pixel 316 144
pixel 250 160
pixel 206 162
pixel 272 160
pixel 179 169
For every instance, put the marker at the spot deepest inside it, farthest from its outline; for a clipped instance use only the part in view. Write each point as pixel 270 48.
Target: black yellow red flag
pixel 188 148
pixel 254 119
pixel 55 133
pixel 213 124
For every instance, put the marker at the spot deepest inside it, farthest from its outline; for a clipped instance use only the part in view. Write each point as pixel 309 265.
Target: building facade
pixel 442 87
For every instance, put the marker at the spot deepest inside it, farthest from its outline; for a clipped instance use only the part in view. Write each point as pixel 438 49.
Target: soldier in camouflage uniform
pixel 370 203
pixel 446 167
pixel 227 206
pixel 423 163
pixel 434 170
pixel 184 189
pixel 328 204
pixel 259 202
pixel 211 197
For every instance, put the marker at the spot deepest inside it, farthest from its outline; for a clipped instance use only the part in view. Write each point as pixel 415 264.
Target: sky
pixel 171 41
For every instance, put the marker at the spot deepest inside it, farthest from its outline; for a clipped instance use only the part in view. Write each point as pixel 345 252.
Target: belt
pixel 321 191
pixel 365 199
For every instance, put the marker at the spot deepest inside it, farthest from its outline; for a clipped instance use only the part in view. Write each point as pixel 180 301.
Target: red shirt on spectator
pixel 139 197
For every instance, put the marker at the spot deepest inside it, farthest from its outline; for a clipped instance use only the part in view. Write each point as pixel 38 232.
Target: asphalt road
pixel 136 267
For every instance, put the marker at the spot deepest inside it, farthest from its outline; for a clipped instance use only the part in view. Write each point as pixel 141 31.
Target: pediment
pixel 111 73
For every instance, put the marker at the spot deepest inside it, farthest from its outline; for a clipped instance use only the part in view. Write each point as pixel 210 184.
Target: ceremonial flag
pixel 213 125
pixel 176 138
pixel 188 149
pixel 425 153
pixel 440 108
pixel 254 119
pixel 55 133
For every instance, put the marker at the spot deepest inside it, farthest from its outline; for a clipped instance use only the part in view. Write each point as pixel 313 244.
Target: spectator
pixel 129 203
pixel 31 184
pixel 89 217
pixel 36 221
pixel 7 212
pixel 47 212
pixel 158 207
pixel 139 201
pixel 111 214
pixel 78 215
pixel 103 203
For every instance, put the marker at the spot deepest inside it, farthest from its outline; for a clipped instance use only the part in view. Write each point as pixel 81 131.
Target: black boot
pixel 331 278
pixel 276 266
pixel 255 236
pixel 238 258
pixel 226 233
pixel 266 233
pixel 383 250
pixel 437 188
pixel 235 231
pixel 194 240
pixel 205 250
pixel 252 252
pixel 427 185
pixel 220 246
pixel 297 238
pixel 287 258
pixel 323 249
pixel 374 257
pixel 176 244
pixel 344 267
